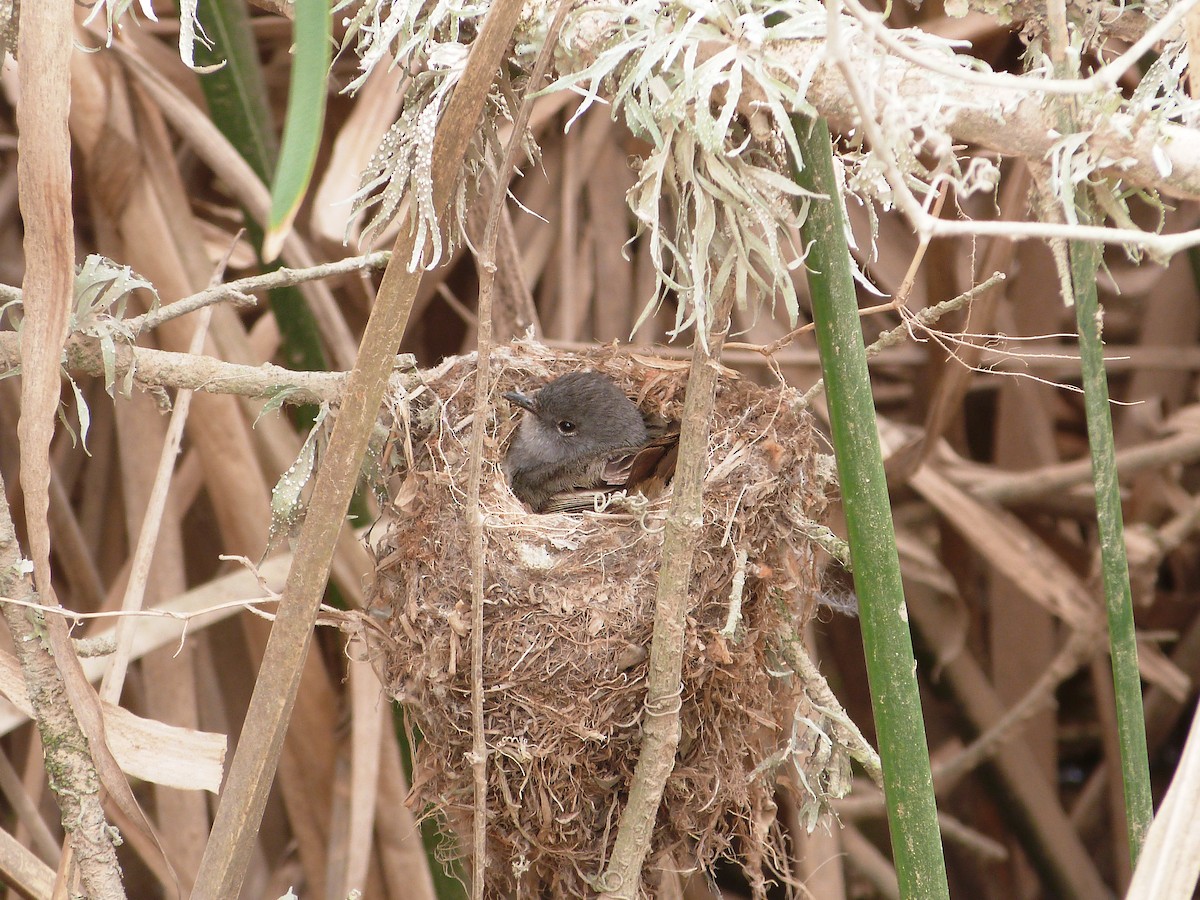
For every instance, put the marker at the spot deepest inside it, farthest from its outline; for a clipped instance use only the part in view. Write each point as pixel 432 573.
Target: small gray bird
pixel 579 432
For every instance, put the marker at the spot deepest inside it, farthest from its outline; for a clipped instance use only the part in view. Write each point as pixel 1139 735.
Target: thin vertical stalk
pixel 475 516
pixel 244 798
pixel 661 728
pixel 1131 722
pixel 1084 260
pixel 891 667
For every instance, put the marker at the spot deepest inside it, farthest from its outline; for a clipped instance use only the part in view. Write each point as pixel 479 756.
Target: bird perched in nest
pixel 581 436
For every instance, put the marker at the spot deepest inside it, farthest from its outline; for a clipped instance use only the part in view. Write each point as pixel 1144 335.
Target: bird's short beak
pixel 521 400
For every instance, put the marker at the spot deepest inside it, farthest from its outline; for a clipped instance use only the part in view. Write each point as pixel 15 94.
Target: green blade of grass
pixel 1122 637
pixel 304 123
pixel 237 101
pixel 236 92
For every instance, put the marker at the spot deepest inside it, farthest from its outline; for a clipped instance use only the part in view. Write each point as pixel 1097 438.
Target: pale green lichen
pixel 711 86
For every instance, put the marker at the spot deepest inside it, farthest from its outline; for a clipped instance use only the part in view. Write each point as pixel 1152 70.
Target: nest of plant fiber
pixel 569 615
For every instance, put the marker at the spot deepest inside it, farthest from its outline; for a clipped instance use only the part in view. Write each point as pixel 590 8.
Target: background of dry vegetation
pixel 993 522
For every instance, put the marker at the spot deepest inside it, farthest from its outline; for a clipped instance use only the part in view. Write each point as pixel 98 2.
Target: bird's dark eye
pixel 566 426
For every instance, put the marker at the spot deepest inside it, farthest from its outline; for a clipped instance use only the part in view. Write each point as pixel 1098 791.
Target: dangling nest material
pixel 569 617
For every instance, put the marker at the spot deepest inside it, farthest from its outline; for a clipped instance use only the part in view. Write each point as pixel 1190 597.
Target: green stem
pixel 1131 723
pixel 891 668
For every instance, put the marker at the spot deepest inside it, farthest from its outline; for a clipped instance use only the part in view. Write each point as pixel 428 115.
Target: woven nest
pixel 569 617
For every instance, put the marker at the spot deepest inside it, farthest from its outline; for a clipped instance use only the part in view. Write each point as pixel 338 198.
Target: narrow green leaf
pixel 1122 633
pixel 237 94
pixel 305 120
pixel 237 100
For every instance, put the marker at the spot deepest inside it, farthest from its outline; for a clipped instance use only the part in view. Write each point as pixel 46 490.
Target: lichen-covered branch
pixel 165 369
pixel 72 774
pixel 710 89
pixel 660 723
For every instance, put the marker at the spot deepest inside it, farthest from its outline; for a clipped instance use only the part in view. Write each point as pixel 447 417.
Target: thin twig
pixel 734 617
pixel 249 605
pixel 925 224
pixel 239 291
pixel 143 554
pixel 791 648
pixel 487 267
pixel 1104 80
pixel 1080 646
pixel 166 369
pixel 923 319
pixel 867 804
pixel 1012 488
pixel 896 303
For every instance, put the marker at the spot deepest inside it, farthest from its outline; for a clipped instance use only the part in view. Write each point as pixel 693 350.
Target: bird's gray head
pixel 573 420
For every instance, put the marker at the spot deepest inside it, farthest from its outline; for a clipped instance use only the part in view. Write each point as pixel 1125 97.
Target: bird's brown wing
pixel 647 469
pixel 653 466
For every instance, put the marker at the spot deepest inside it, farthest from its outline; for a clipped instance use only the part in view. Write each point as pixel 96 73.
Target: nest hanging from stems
pixel 568 621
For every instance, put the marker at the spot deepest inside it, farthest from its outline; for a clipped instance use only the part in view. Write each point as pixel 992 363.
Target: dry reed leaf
pixel 617 306
pixel 1067 865
pixel 955 373
pixel 44 176
pixel 44 183
pixel 206 605
pixel 1170 861
pixel 1024 639
pixel 1164 325
pixel 166 754
pixel 168 675
pixel 22 870
pixel 160 239
pixel 307 761
pixel 369 716
pixel 921 566
pixel 1001 539
pixel 279 7
pixel 397 835
pixel 1159 671
pixel 147 749
pixel 173 695
pixel 869 863
pixel 243 185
